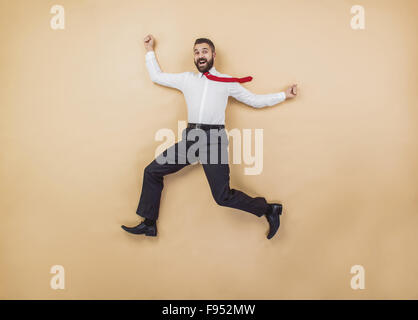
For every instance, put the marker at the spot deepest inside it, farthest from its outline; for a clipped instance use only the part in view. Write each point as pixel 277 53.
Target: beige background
pixel 78 118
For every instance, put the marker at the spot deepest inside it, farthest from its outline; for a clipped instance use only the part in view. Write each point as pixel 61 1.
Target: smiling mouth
pixel 201 63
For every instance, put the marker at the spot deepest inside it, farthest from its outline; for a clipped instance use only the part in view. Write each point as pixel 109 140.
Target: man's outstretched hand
pixel 291 92
pixel 149 42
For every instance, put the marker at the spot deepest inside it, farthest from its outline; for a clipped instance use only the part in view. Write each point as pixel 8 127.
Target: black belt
pixel 205 126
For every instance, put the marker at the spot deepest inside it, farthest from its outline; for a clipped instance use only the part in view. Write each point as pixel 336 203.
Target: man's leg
pixel 169 161
pixel 217 174
pixel 218 178
pixel 153 179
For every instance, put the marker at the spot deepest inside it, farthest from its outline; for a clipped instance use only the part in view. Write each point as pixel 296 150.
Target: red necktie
pixel 222 79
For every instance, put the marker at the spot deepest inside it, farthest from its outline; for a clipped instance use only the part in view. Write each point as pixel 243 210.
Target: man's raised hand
pixel 149 42
pixel 291 92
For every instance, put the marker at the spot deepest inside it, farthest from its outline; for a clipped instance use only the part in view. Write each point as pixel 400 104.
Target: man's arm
pixel 237 91
pixel 172 80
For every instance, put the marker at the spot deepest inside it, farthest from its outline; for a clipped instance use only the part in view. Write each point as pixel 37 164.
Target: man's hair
pixel 205 40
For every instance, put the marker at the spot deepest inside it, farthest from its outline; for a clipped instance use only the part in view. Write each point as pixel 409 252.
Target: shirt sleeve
pixel 237 91
pixel 172 80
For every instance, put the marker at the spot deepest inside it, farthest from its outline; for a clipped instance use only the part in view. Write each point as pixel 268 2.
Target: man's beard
pixel 206 67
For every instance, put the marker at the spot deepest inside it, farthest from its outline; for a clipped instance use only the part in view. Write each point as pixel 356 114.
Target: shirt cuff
pixel 149 55
pixel 283 95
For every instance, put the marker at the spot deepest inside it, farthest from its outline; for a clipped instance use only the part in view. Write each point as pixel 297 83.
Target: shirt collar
pixel 211 71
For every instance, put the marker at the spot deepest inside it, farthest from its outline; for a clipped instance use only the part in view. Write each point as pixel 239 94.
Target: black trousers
pixel 210 148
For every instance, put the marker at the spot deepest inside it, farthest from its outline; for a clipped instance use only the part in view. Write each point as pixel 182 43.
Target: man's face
pixel 204 58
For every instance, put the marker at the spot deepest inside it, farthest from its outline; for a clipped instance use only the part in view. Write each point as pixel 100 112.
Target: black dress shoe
pixel 142 228
pixel 274 218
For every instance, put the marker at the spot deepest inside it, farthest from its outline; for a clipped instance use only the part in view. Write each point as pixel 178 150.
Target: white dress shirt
pixel 207 99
